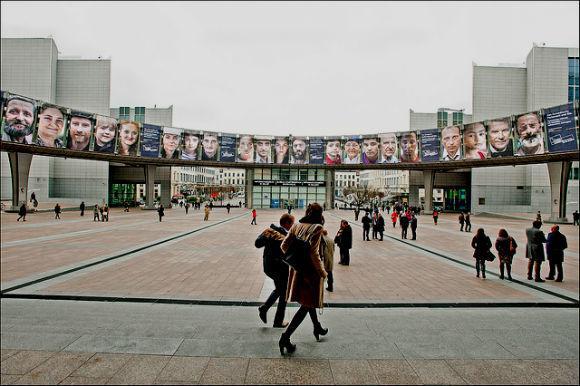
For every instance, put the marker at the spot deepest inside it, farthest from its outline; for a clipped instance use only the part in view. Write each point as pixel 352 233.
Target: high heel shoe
pixel 318 330
pixel 284 342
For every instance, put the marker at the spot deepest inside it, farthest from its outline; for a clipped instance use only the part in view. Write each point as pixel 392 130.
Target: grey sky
pixel 302 68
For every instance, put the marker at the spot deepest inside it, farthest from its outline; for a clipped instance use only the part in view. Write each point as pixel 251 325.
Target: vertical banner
pixel 451 143
pixel 281 150
pixel 191 145
pixel 409 144
pixel 474 141
pixel 389 148
pixel 561 128
pixel 245 150
pixel 317 150
pixel 352 151
pixel 370 150
pixel 18 118
pixel 210 147
pixel 80 130
pixel 128 138
pixel 228 148
pixel 430 145
pixel 150 140
pixel 333 151
pixel 529 134
pixel 105 134
pixel 299 151
pixel 263 147
pixel 51 126
pixel 170 143
pixel 500 137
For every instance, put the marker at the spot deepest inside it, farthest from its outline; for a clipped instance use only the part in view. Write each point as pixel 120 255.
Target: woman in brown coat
pixel 306 288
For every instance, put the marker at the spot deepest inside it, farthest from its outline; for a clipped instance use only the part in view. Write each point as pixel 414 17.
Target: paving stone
pixel 496 371
pixel 128 345
pixel 140 369
pixel 84 381
pixel 225 371
pixel 352 372
pixel 310 371
pixel 268 371
pixel 556 372
pixel 38 341
pixel 5 354
pixel 101 365
pixel 56 368
pixel 185 369
pixel 435 372
pixel 7 379
pixel 394 371
pixel 24 361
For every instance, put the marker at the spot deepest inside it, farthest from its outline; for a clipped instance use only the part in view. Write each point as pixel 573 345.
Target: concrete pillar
pixel 166 193
pixel 558 172
pixel 149 186
pixel 19 170
pixel 428 182
pixel 329 196
pixel 249 188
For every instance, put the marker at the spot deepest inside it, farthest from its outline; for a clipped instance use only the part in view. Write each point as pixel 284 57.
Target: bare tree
pixel 362 195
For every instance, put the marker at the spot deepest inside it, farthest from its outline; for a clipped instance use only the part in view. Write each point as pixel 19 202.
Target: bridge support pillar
pixel 249 188
pixel 428 182
pixel 329 196
pixel 558 172
pixel 19 170
pixel 149 186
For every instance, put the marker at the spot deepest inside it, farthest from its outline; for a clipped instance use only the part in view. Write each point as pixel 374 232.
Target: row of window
pixel 283 174
pixel 573 79
pixel 125 114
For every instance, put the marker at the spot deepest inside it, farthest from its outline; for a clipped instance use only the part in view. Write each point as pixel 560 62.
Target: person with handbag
pixel 343 239
pixel 506 249
pixel 271 239
pixel 482 244
pixel 305 287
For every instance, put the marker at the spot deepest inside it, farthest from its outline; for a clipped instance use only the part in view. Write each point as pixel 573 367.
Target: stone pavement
pixel 425 329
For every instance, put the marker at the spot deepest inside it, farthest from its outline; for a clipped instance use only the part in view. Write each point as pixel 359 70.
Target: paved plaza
pixel 135 300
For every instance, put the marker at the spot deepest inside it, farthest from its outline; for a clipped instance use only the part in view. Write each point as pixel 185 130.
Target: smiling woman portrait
pixel 128 140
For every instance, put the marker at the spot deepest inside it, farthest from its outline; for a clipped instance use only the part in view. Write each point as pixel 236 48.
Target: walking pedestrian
pixel 96 213
pixel 271 239
pixel 106 213
pixel 535 250
pixel 240 204
pixel 327 247
pixel 468 222
pixel 206 213
pixel 506 249
pixel 414 227
pixel 380 225
pixel 161 212
pixel 576 217
pixel 374 225
pixel 539 216
pixel 187 205
pixel 394 217
pixel 343 239
pixel 356 213
pixel 22 212
pixel 307 288
pixel 289 208
pixel 82 208
pixel 101 210
pixel 32 197
pixel 461 221
pixel 228 207
pixel 254 215
pixel 366 221
pixel 482 244
pixel 435 216
pixel 555 245
pixel 57 211
pixel 404 221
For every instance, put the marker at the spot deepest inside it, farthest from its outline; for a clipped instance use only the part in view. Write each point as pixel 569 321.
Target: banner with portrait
pixel 263 149
pixel 561 128
pixel 228 148
pixel 150 140
pixel 389 148
pixel 128 138
pixel 299 151
pixel 332 151
pixel 352 150
pixel 80 130
pixel 170 145
pixel 281 150
pixel 210 146
pixel 51 126
pixel 371 150
pixel 18 118
pixel 451 149
pixel 105 135
pixel 409 147
pixel 316 150
pixel 190 145
pixel 528 134
pixel 475 141
pixel 500 137
pixel 245 149
pixel 430 145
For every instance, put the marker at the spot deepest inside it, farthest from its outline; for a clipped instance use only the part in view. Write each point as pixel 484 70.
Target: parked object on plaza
pixel 506 249
pixel 535 250
pixel 482 245
pixel 555 245
pixel 343 239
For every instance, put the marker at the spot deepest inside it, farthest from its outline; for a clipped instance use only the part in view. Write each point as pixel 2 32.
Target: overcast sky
pixel 301 68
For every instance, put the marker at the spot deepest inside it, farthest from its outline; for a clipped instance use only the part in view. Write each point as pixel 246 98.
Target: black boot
pixel 284 343
pixel 318 330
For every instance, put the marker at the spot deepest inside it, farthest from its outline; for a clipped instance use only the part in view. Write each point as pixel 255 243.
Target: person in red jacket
pixel 394 216
pixel 254 214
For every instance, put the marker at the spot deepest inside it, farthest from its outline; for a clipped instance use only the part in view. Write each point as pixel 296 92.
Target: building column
pixel 329 197
pixel 19 170
pixel 428 182
pixel 166 193
pixel 149 186
pixel 249 188
pixel 558 173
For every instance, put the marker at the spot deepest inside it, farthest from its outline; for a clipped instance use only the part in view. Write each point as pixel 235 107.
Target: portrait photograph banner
pixel 299 151
pixel 18 118
pixel 51 126
pixel 352 150
pixel 389 148
pixel 528 134
pixel 281 150
pixel 170 146
pixel 332 151
pixel 128 138
pixel 430 145
pixel 317 150
pixel 150 140
pixel 210 147
pixel 451 143
pixel 561 128
pixel 190 145
pixel 228 148
pixel 371 153
pixel 263 149
pixel 80 130
pixel 474 141
pixel 500 137
pixel 409 147
pixel 245 149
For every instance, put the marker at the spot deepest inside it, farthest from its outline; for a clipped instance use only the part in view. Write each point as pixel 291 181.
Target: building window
pixel 441 119
pixel 140 114
pixel 573 79
pixel 458 118
pixel 124 113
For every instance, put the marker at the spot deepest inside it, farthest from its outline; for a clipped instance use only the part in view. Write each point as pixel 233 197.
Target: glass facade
pixel 278 187
pixel 573 79
pixel 124 113
pixel 457 199
pixel 441 119
pixel 140 114
pixel 119 193
pixel 458 118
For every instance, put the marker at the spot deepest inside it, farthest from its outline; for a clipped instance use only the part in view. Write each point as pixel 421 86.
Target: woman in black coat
pixel 482 244
pixel 344 241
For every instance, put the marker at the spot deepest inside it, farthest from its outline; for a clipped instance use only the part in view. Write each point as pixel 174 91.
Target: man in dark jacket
pixel 22 212
pixel 82 208
pixel 344 241
pixel 461 221
pixel 275 268
pixel 535 250
pixel 414 227
pixel 404 221
pixel 380 225
pixel 366 221
pixel 555 246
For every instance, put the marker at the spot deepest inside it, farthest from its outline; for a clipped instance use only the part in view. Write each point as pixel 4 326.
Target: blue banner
pixel 317 150
pixel 150 140
pixel 560 128
pixel 430 145
pixel 228 149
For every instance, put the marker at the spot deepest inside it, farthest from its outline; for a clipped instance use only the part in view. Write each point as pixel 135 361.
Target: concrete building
pixel 349 179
